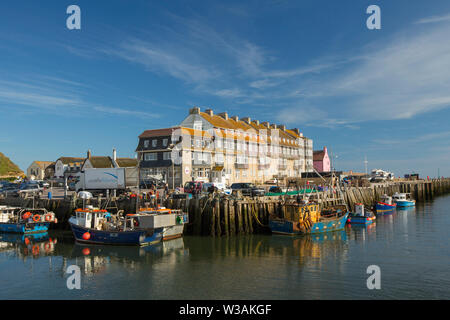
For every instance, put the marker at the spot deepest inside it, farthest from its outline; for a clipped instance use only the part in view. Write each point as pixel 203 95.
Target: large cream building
pixel 218 148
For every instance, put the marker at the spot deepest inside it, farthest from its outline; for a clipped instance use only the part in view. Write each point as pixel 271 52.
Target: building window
pixel 167 155
pixel 197 125
pixel 150 156
pixel 165 142
pixel 154 141
pixel 145 143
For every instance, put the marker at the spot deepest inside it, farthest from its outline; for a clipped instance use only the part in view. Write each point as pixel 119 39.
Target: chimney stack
pixel 247 120
pixel 209 112
pixel 266 124
pixel 235 118
pixel 282 127
pixel 114 154
pixel 273 126
pixel 224 115
pixel 194 110
pixel 256 122
pixel 296 131
pixel 89 154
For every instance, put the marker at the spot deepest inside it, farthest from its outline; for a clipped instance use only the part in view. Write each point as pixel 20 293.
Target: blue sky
pixel 314 65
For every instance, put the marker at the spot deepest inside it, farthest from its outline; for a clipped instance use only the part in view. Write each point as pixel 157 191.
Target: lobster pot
pixel 359 209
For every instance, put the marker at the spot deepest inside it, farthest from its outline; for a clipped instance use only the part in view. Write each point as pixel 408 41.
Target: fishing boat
pixel 385 205
pixel 307 218
pixel 172 231
pixel 403 200
pixel 361 215
pixel 25 220
pixel 96 226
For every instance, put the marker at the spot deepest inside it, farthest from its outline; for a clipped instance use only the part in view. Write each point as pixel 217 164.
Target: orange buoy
pixel 35 250
pixel 26 215
pixel 48 217
pixel 86 251
pixel 36 218
pixel 27 241
pixel 86 236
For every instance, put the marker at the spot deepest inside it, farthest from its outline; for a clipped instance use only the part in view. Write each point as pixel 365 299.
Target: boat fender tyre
pixel 36 218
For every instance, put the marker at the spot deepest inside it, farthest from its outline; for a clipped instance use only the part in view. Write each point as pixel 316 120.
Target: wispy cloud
pixel 400 79
pixel 55 96
pixel 434 19
pixel 125 112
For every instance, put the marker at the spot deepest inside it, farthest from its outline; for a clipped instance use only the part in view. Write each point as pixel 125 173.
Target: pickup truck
pixel 248 189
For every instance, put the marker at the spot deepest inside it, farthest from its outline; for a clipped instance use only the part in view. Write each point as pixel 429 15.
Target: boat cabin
pixel 359 209
pixel 402 196
pixel 91 218
pixel 6 213
pixel 386 199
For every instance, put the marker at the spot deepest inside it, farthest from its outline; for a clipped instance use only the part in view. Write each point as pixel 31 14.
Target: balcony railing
pixel 241 165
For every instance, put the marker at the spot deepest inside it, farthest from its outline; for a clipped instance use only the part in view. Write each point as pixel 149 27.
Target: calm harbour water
pixel 411 247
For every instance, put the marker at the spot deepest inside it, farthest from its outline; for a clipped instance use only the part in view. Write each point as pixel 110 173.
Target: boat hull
pixel 382 207
pixel 132 237
pixel 360 220
pixel 404 204
pixel 286 227
pixel 172 232
pixel 25 228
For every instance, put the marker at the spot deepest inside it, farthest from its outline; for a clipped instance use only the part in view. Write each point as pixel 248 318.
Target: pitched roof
pixel 318 155
pixel 157 132
pixel 43 164
pixel 126 162
pixel 67 160
pixel 101 162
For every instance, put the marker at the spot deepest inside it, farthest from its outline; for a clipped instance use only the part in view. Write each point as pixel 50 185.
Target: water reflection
pixel 362 233
pixel 30 245
pixel 96 258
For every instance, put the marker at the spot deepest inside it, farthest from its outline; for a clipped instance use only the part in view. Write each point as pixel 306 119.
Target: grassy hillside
pixel 7 167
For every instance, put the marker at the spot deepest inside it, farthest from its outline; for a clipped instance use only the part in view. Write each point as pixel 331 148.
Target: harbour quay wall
pixel 218 215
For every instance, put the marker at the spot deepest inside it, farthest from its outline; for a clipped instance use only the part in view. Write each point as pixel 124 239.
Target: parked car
pixel 193 187
pixel 248 189
pixel 29 189
pixel 220 186
pixel 271 181
pixel 10 189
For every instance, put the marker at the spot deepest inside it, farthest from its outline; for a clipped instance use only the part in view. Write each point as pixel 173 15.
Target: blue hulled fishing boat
pixel 403 200
pixel 26 221
pixel 386 205
pixel 306 218
pixel 361 215
pixel 101 227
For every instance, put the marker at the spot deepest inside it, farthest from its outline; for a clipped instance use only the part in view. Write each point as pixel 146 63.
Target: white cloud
pixel 434 19
pixel 399 79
